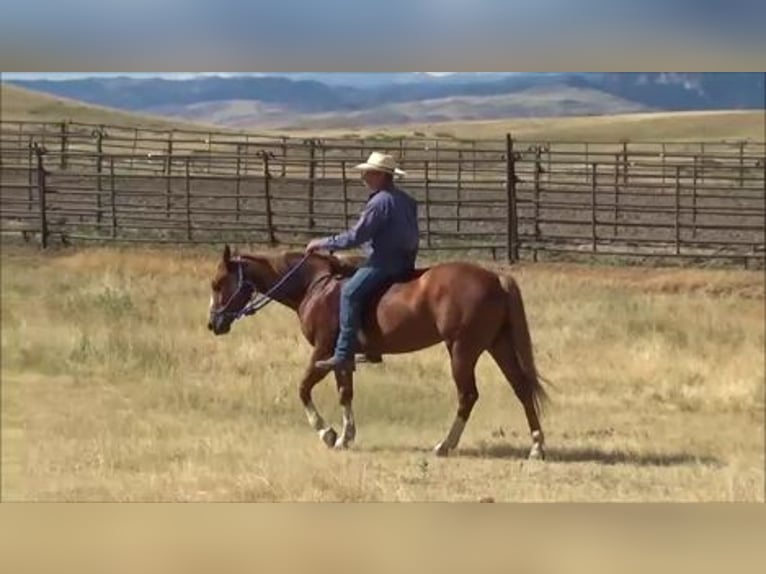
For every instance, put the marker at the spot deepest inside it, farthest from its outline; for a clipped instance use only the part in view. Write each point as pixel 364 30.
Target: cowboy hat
pixel 380 162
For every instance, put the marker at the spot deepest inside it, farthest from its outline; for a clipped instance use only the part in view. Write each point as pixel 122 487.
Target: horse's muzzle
pixel 218 324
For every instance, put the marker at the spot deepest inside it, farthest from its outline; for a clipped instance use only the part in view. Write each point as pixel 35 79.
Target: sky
pixel 391 35
pixel 168 75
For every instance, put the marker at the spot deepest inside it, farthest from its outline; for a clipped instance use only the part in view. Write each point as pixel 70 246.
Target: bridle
pixel 248 287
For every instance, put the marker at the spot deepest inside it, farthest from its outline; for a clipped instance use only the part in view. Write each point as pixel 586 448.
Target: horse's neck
pixel 293 289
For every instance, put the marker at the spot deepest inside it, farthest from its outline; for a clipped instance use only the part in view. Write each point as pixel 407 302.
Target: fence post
pixel 593 201
pixel 187 201
pixel 30 174
pixel 324 159
pixel 209 151
pixel 548 152
pixel 459 189
pixel 284 156
pixel 428 204
pixel 678 210
pixel 510 186
pixel 135 144
pixel 741 164
pixel 536 206
pixel 99 171
pixel 64 144
pixel 238 182
pixel 616 208
pixel 169 155
pixel 168 185
pixel 113 197
pixel 247 154
pixel 312 174
pixel 694 198
pixel 41 191
pixel 267 193
pixel 345 192
pixel 625 165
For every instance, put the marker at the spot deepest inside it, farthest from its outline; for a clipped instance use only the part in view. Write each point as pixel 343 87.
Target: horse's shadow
pixel 568 455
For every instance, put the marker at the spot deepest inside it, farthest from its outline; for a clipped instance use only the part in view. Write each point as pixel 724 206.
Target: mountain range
pixel 355 99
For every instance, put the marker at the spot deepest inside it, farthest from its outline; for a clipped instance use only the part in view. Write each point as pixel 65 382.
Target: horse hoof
pixel 329 437
pixel 343 442
pixel 441 450
pixel 340 444
pixel 536 453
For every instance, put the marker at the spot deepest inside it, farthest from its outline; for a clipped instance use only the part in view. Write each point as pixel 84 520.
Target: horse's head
pixel 231 290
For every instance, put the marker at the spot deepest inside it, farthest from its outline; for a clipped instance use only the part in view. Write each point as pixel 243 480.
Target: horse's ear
pixel 227 254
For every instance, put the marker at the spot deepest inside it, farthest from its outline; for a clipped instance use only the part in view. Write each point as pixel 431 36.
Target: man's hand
pixel 314 245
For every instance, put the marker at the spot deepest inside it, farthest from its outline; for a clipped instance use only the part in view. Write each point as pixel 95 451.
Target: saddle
pixel 343 269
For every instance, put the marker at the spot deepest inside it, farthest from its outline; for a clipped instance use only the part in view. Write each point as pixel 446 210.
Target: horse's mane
pixel 343 267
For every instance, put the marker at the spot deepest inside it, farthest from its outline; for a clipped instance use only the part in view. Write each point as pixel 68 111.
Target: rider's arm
pixel 370 221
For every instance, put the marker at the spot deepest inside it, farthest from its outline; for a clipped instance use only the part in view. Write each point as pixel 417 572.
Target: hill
pixel 20 104
pixel 28 105
pixel 286 100
pixel 544 101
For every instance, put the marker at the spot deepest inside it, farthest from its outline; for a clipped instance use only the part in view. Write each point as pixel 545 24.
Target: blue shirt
pixel 387 227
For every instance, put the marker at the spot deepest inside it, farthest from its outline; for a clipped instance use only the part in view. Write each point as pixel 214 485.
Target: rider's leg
pixel 355 294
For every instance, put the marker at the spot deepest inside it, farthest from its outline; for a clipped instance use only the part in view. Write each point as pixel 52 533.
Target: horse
pixel 465 306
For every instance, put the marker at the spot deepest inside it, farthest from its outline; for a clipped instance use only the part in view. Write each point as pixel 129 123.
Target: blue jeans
pixel 354 296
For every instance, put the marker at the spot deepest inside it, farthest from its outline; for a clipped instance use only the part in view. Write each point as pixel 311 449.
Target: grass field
pixel 113 389
pixel 636 127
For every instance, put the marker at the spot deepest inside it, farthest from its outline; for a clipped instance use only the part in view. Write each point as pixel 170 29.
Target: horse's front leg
pixel 345 382
pixel 311 377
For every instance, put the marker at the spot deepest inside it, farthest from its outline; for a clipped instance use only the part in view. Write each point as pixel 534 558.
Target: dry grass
pixel 652 127
pixel 114 390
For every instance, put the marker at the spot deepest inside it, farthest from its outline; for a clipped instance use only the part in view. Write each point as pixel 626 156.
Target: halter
pixel 262 299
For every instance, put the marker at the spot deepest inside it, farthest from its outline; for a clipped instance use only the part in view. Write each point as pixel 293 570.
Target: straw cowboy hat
pixel 380 162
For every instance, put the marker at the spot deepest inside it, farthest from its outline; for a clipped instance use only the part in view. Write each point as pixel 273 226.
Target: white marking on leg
pixel 453 437
pixel 537 452
pixel 212 304
pixel 349 428
pixel 315 419
pixel 326 434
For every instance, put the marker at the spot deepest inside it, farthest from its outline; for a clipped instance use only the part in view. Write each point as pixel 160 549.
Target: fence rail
pixel 513 199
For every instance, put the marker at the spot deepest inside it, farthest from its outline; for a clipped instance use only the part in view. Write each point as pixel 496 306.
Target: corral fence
pixel 511 199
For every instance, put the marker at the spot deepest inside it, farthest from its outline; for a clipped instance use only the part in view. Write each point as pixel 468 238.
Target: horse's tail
pixel 522 343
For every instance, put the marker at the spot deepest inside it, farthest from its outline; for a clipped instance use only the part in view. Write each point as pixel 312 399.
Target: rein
pixel 262 299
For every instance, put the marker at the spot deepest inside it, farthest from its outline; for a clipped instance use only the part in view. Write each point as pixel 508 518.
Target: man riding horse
pixel 389 226
pixel 469 308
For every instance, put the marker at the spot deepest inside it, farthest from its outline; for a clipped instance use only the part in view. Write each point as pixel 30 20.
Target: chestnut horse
pixel 469 308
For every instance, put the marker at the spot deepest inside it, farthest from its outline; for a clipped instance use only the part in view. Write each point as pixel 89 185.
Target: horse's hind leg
pixel 463 358
pixel 505 357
